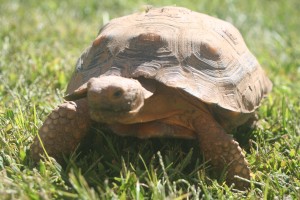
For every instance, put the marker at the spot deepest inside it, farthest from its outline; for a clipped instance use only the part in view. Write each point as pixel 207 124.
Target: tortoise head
pixel 112 99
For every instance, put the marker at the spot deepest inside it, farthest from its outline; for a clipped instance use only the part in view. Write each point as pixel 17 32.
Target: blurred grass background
pixel 40 42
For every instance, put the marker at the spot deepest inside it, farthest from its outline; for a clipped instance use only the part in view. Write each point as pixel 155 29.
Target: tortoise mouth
pixel 106 116
pixel 111 116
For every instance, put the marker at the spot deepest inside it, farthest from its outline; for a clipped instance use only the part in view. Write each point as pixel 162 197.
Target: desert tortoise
pixel 163 72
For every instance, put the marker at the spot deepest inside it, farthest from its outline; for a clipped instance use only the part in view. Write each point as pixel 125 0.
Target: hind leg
pixel 62 131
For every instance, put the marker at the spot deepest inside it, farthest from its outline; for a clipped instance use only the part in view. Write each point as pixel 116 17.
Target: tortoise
pixel 164 72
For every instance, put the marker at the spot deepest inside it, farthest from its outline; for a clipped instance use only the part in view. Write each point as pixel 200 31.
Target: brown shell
pixel 204 56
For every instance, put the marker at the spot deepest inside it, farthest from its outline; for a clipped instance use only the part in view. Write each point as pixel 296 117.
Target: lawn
pixel 40 42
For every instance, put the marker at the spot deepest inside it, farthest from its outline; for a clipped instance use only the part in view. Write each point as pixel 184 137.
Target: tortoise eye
pixel 118 93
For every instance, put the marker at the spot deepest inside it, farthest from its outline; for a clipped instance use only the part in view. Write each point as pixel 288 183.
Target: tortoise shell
pixel 201 55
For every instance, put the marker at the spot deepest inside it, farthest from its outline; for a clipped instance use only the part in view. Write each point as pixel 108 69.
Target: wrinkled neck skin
pixel 114 99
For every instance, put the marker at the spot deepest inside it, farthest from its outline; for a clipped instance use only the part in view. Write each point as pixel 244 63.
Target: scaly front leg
pixel 62 131
pixel 222 151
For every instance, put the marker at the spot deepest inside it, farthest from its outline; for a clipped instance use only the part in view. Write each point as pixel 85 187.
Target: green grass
pixel 40 42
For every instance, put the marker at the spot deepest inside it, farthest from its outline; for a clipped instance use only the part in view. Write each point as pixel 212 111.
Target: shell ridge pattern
pixel 204 56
